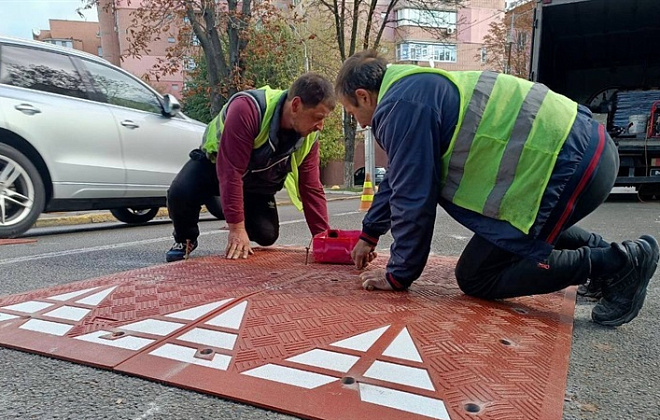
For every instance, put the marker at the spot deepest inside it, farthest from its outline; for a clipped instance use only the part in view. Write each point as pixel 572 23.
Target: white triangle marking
pixel 326 359
pixel 96 298
pixel 30 307
pixel 361 342
pixel 400 374
pixel 403 347
pixel 5 317
pixel 68 312
pixel 127 342
pixel 187 355
pixel 48 327
pixel 231 318
pixel 290 376
pixel 400 400
pixel 198 311
pixel 70 295
pixel 153 326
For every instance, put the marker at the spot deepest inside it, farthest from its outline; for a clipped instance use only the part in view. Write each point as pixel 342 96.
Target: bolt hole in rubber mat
pixel 305 339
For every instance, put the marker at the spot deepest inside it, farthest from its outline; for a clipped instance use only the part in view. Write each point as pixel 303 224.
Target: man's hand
pixel 375 280
pixel 238 242
pixel 363 254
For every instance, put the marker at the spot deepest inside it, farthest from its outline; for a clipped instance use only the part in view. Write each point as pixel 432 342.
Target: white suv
pixel 77 133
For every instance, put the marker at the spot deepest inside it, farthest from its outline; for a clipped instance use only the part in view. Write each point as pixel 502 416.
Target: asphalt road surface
pixel 613 373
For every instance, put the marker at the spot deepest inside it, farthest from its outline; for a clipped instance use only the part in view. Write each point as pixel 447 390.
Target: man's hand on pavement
pixel 238 242
pixel 375 280
pixel 363 254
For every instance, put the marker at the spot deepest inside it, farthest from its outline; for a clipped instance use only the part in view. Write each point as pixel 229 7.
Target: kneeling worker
pixel 262 140
pixel 511 160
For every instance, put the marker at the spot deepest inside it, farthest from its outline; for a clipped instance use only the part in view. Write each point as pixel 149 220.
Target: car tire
pixel 24 198
pixel 134 216
pixel 215 208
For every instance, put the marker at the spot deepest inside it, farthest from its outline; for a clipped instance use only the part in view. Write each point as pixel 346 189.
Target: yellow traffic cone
pixel 367 194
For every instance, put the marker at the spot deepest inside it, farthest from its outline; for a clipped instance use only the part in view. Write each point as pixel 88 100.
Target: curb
pixel 106 216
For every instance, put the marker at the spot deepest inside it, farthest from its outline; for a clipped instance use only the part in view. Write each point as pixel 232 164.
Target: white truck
pixel 605 54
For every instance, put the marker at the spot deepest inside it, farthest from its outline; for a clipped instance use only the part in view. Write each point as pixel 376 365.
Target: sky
pixel 19 17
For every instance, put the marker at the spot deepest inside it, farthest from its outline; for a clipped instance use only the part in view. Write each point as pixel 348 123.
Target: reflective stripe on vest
pixel 506 143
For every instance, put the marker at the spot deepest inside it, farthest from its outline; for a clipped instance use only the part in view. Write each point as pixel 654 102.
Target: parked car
pixel 77 133
pixel 358 176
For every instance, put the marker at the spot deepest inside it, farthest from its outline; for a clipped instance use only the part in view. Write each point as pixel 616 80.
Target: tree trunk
pixel 349 154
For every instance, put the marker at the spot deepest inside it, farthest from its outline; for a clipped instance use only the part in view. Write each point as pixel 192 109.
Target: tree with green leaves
pixel 508 42
pixel 272 57
pixel 241 43
pixel 361 24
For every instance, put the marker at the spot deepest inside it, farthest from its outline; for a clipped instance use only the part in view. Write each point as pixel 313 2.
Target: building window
pixel 100 52
pixel 61 42
pixel 418 51
pixel 522 40
pixel 427 18
pixel 175 87
pixel 171 40
pixel 484 54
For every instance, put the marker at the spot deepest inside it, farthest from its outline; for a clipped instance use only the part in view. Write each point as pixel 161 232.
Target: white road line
pixel 348 213
pixel 84 250
pixel 68 252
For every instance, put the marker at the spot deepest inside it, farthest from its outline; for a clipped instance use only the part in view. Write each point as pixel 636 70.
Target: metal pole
pixel 300 38
pixel 369 161
pixel 306 57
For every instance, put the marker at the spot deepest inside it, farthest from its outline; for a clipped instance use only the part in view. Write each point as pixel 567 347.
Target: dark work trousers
pixel 196 183
pixel 487 271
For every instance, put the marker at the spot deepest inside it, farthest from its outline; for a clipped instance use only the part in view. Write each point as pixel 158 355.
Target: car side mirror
pixel 171 106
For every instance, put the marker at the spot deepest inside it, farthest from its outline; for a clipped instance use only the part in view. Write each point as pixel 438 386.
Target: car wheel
pixel 134 216
pixel 215 208
pixel 22 193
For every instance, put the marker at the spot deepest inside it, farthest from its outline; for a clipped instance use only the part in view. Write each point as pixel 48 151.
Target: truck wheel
pixel 22 192
pixel 648 192
pixel 134 216
pixel 215 208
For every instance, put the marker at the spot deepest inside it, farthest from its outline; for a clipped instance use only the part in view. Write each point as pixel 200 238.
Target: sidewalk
pixel 100 216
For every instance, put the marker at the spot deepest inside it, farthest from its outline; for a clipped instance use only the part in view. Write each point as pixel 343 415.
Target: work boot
pixel 179 252
pixel 624 293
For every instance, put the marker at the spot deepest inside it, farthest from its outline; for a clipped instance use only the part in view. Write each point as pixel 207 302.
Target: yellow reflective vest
pixel 266 100
pixel 505 145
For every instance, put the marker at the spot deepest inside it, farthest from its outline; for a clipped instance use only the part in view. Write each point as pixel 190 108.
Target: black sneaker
pixel 624 294
pixel 178 251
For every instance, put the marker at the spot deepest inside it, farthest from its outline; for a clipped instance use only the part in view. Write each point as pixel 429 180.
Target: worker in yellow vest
pixel 511 160
pixel 261 141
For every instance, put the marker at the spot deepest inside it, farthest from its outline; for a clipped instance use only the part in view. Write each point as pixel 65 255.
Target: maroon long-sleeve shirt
pixel 241 128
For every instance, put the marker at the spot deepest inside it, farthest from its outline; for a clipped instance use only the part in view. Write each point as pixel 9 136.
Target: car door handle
pixel 129 124
pixel 27 109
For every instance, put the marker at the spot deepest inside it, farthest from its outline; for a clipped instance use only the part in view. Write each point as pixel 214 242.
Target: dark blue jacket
pixel 414 123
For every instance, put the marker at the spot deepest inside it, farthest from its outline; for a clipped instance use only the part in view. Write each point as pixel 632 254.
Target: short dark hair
pixel 362 70
pixel 313 89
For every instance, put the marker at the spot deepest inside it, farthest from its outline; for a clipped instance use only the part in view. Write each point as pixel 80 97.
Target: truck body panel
pixel 605 54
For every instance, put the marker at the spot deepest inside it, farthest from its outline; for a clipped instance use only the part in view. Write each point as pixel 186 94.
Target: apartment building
pixel 84 36
pixel 115 23
pixel 448 37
